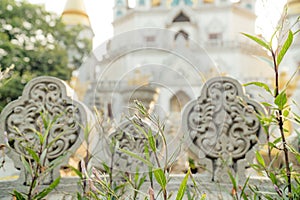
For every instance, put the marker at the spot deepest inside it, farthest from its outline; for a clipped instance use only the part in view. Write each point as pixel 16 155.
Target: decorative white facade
pixel 171 47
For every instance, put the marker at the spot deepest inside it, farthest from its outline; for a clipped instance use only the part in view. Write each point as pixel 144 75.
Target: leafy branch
pixel 281 108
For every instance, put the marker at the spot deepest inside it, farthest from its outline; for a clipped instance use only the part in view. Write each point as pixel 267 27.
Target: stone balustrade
pixel 220 129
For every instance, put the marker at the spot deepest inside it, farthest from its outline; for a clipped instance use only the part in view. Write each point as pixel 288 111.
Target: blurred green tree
pixel 37 43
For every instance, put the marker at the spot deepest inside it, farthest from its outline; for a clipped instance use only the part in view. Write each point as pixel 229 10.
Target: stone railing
pixel 219 129
pixel 233 44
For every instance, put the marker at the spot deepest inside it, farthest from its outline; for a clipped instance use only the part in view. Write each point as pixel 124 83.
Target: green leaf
pixel 266 104
pixel 272 145
pixel 243 194
pixel 268 197
pixel 142 180
pixel 34 184
pixel 277 140
pixel 134 155
pixel 33 155
pixel 18 195
pixel 43 156
pixel 233 180
pixel 203 196
pixel 182 187
pixel 286 113
pixel 26 165
pixel 258 41
pixel 285 47
pixel 106 168
pixel 273 35
pixel 138 126
pixel 136 175
pixel 273 178
pixel 77 172
pixel 146 152
pixel 281 100
pixel 260 84
pixel 293 150
pixel 47 190
pixel 260 159
pixel 39 134
pixel 188 194
pixel 87 131
pixel 79 196
pixel 296 117
pixel 44 119
pixel 141 108
pixel 54 163
pixel 152 142
pixel 160 177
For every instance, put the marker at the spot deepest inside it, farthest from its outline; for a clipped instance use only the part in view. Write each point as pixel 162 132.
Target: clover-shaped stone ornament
pixel 45 107
pixel 221 127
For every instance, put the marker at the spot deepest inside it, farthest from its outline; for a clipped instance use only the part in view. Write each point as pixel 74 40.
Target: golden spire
pixel 75 13
pixel 293 7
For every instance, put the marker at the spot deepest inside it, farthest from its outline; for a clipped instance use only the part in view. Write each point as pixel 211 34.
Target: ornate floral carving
pixel 130 138
pixel 221 125
pixel 22 118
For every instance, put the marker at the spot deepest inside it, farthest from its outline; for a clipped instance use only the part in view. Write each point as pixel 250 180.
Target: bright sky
pixel 100 13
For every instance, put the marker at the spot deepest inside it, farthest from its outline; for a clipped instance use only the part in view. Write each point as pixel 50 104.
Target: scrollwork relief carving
pixel 43 96
pixel 222 126
pixel 130 138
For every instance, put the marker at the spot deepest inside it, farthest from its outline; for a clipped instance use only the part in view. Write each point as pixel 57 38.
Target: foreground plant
pixel 110 183
pixel 34 158
pixel 280 112
pixel 158 169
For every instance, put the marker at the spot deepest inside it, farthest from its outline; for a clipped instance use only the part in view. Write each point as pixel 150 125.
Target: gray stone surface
pixel 129 137
pixel 21 118
pixel 221 128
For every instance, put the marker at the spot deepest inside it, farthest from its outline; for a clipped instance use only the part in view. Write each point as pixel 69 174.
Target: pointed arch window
pixel 181 34
pixel 181 17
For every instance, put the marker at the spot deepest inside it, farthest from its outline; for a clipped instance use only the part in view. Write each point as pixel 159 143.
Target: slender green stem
pixel 161 132
pixel 165 194
pixel 111 168
pixel 285 150
pixel 280 123
pixel 37 169
pixel 276 74
pixel 269 147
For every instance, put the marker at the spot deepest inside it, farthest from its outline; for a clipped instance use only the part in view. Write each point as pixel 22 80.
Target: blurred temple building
pixel 163 51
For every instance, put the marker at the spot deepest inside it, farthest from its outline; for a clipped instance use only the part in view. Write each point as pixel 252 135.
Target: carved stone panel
pixel 130 136
pixel 221 127
pixel 44 107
